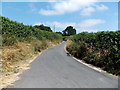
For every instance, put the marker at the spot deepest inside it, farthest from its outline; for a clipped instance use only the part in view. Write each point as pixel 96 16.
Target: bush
pixel 100 49
pixel 8 41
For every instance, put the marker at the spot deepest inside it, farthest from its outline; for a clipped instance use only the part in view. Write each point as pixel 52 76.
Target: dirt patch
pixel 11 75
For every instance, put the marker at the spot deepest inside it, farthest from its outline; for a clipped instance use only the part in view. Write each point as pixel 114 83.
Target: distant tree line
pixel 44 28
pixel 67 32
pixel 13 32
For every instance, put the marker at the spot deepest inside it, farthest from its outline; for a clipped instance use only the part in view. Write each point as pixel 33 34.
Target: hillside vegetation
pixel 21 42
pixel 101 49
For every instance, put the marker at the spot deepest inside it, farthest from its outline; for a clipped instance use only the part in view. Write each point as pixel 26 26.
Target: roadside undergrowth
pixel 16 58
pixel 99 49
pixel 20 44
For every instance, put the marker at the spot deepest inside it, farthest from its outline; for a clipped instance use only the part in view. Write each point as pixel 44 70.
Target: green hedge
pixel 101 49
pixel 13 31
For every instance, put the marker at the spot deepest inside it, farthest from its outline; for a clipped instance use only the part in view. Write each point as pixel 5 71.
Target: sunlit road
pixel 55 69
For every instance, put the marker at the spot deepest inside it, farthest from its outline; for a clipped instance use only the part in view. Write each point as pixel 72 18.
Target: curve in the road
pixel 55 69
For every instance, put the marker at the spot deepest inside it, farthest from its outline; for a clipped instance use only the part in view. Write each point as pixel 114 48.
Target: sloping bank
pixel 101 49
pixel 20 45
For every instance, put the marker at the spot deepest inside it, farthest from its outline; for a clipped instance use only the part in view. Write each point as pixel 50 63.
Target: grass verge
pixel 17 58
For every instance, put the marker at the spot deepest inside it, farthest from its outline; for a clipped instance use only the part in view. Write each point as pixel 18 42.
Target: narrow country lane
pixel 55 69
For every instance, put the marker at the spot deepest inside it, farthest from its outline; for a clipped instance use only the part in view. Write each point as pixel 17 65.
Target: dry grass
pixel 69 42
pixel 16 53
pixel 18 57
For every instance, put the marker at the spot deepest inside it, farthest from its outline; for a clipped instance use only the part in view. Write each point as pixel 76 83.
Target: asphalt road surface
pixel 55 69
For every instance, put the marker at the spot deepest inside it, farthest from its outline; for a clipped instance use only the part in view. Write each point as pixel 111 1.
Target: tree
pixel 69 31
pixel 42 27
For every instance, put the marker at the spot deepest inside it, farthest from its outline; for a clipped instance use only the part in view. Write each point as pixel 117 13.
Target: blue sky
pixel 83 16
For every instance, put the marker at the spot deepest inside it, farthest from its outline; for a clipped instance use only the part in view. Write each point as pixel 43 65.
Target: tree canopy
pixel 69 31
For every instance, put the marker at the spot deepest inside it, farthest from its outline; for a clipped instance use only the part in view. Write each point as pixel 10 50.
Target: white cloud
pixel 57 24
pixel 60 24
pixel 87 11
pixel 86 7
pixel 91 22
pixel 84 24
pixel 87 30
pixel 51 0
pixel 48 12
pixel 37 23
pixel 67 7
pixel 64 25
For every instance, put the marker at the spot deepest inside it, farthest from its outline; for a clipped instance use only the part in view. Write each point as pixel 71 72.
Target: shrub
pixel 100 49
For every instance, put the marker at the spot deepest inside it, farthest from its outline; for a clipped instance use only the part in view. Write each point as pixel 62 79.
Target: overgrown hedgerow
pixel 21 42
pixel 101 49
pixel 13 31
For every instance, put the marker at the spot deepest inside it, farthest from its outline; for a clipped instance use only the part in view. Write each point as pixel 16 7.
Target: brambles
pixel 101 49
